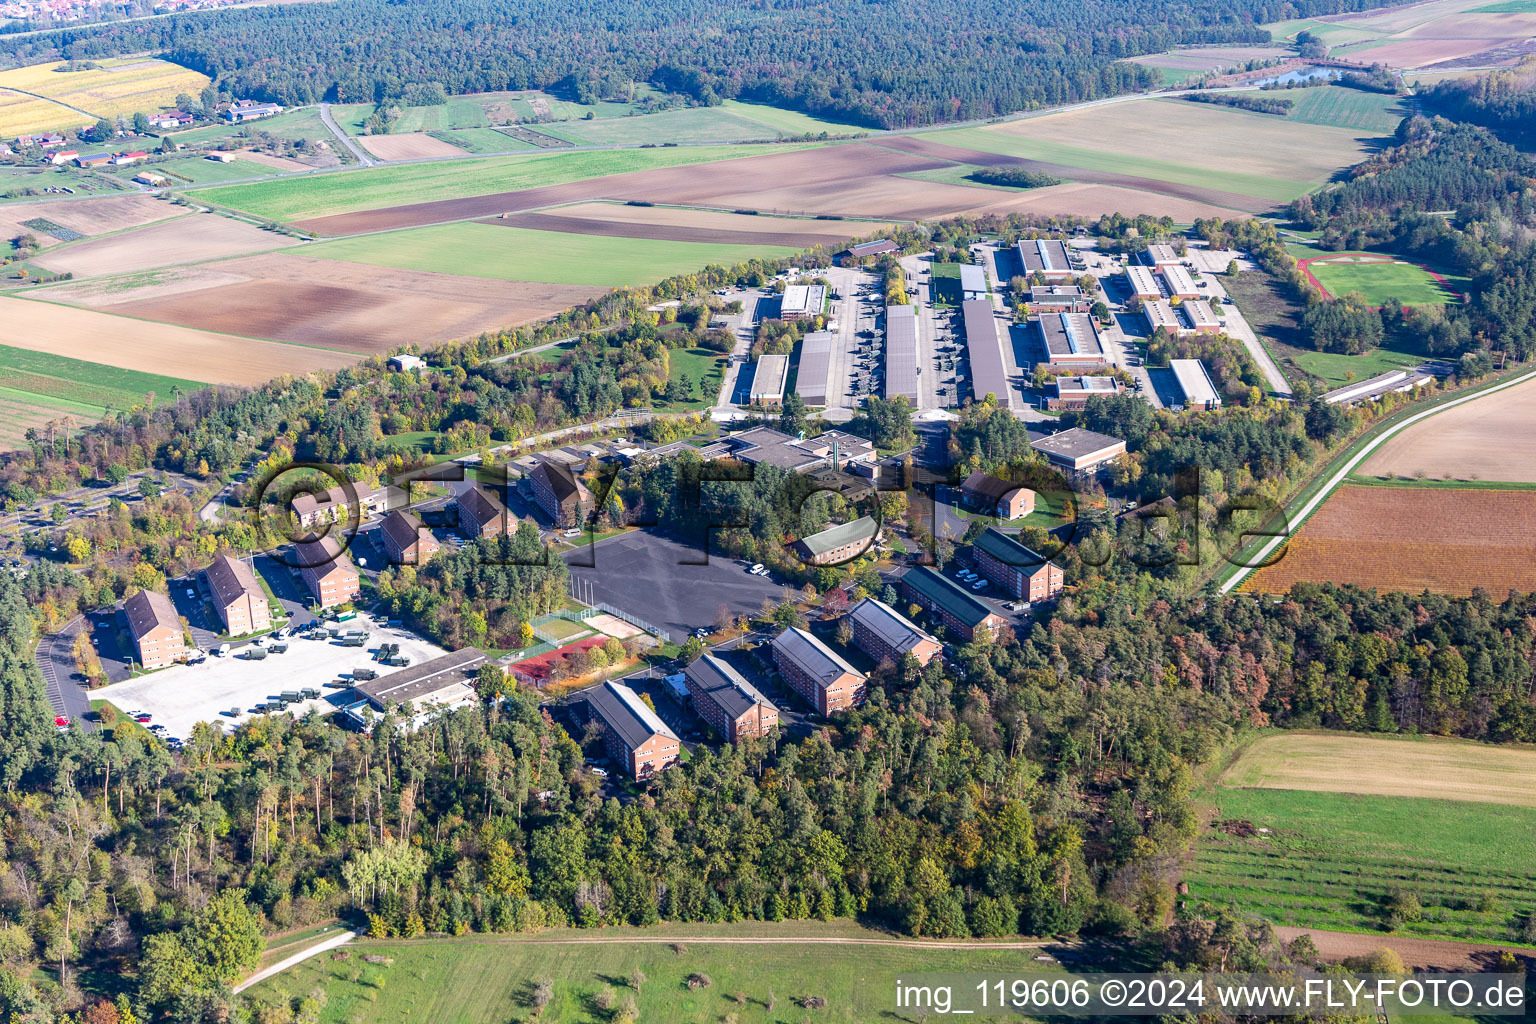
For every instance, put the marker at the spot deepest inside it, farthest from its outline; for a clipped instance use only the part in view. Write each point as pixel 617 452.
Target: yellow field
pixel 1440 769
pixel 21 114
pixel 118 87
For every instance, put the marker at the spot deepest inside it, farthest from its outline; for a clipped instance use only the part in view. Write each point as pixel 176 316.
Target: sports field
pixel 521 254
pixel 484 978
pixel 1379 278
pixel 117 87
pixel 375 187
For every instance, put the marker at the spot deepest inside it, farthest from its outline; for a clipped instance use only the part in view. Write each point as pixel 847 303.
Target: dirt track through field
pixel 1422 953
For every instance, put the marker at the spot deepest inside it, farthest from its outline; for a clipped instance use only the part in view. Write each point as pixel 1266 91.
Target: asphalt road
pixel 56 660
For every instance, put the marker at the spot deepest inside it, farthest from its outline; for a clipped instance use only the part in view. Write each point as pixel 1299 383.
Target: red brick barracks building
pixel 826 681
pixel 633 734
pixel 732 706
pixel 1021 572
pixel 886 635
pixel 957 609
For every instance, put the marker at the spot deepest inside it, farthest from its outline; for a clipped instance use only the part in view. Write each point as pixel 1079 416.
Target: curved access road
pixel 343 137
pixel 1355 456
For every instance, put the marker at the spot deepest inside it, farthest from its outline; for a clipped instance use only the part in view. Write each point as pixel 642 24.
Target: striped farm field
pixel 113 88
pixel 1442 539
pixel 63 379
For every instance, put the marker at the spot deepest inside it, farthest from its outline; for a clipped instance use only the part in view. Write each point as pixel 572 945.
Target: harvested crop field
pixel 306 301
pixel 183 240
pixel 283 163
pixel 1444 540
pixel 94 216
pixel 1493 438
pixel 20 113
pixel 675 224
pixel 1450 32
pixel 115 87
pixel 410 146
pixel 156 348
pixel 1331 762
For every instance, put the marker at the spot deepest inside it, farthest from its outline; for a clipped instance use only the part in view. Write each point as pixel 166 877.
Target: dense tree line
pixel 860 63
pixel 1503 102
pixel 1258 104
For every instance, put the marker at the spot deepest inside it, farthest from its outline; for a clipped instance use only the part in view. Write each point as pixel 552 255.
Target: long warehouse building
pixel 989 375
pixel 812 384
pixel 901 353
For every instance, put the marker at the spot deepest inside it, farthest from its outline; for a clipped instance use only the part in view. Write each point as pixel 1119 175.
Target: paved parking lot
pixel 648 576
pixel 183 695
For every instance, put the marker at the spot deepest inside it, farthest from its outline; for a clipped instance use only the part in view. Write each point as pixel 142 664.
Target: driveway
pixel 56 661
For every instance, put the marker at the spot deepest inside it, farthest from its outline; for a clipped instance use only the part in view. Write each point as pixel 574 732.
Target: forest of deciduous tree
pixel 889 64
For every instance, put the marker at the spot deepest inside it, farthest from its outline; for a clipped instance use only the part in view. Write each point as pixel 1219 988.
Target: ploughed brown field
pixel 189 239
pixel 156 348
pixel 409 146
pixel 1493 438
pixel 1413 539
pixel 283 163
pixel 351 307
pixel 675 224
pixel 94 216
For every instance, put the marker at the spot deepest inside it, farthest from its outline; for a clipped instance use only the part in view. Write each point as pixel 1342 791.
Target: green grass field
pixel 520 254
pixel 1379 280
pixel 1281 190
pixel 1507 7
pixel 686 126
pixel 956 174
pixel 1337 369
pixel 480 980
pixel 790 122
pixel 292 125
pixel 1346 108
pixel 377 187
pixel 92 386
pixel 705 367
pixel 200 170
pixel 1331 858
pixel 483 141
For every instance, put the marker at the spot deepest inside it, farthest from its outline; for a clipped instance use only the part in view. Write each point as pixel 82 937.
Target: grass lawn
pixel 790 122
pixel 705 366
pixel 686 126
pixel 482 140
pixel 198 170
pixel 1347 108
pixel 1336 368
pixel 1454 485
pixel 292 125
pixel 123 722
pixel 552 257
pixel 376 187
pixel 485 979
pixel 63 379
pixel 1379 279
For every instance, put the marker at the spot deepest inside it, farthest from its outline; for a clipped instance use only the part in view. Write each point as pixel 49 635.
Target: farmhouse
pixel 63 156
pixel 813 383
pixel 562 496
pixel 1064 298
pixel 327 571
pixel 1046 257
pixel 886 635
pixel 155 628
pixel 901 353
pixel 957 609
pixel 171 119
pixel 1179 282
pixel 348 500
pixel 481 514
pixel 93 160
pixel 802 301
pixel 815 672
pixel 1074 392
pixel 838 544
pixel 1195 384
pixel 1199 316
pixel 730 705
pixel 237 596
pixel 124 159
pixel 43 140
pixel 985 493
pixel 1161 255
pixel 1375 387
pixel 406 542
pixel 1069 339
pixel 864 250
pixel 768 380
pixel 1080 451
pixel 632 733
pixel 973 282
pixel 1143 283
pixel 249 110
pixel 1159 313
pixel 151 179
pixel 1021 572
pixel 431 687
pixel 218 156
pixel 989 375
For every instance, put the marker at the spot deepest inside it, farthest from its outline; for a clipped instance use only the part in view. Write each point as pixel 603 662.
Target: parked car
pixel 600 772
pixel 979 585
pixel 142 719
pixel 61 721
pixel 572 533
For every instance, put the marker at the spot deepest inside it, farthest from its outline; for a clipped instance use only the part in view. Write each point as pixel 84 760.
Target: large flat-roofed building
pixel 958 609
pixel 1079 450
pixel 732 706
pixel 561 494
pixel 155 628
pixel 481 514
pixel 813 381
pixel 991 496
pixel 1069 339
pixel 1375 387
pixel 989 374
pixel 237 596
pixel 1074 392
pixel 443 682
pixel 884 634
pixel 1067 298
pixel 328 573
pixel 1026 574
pixel 802 301
pixel 1199 316
pixel 816 672
pixel 838 544
pixel 835 449
pixel 901 353
pixel 864 250
pixel 973 282
pixel 406 541
pixel 1161 254
pixel 1143 283
pixel 1045 256
pixel 1198 389
pixel 633 734
pixel 1180 284
pixel 768 380
pixel 1159 313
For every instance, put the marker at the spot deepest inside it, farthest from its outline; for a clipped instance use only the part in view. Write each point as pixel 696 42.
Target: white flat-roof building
pixel 1143 283
pixel 1074 392
pixel 812 383
pixel 973 282
pixel 801 301
pixel 1160 255
pixel 1200 317
pixel 901 353
pixel 1159 313
pixel 1180 284
pixel 1195 383
pixel 1375 387
pixel 768 380
pixel 1069 339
